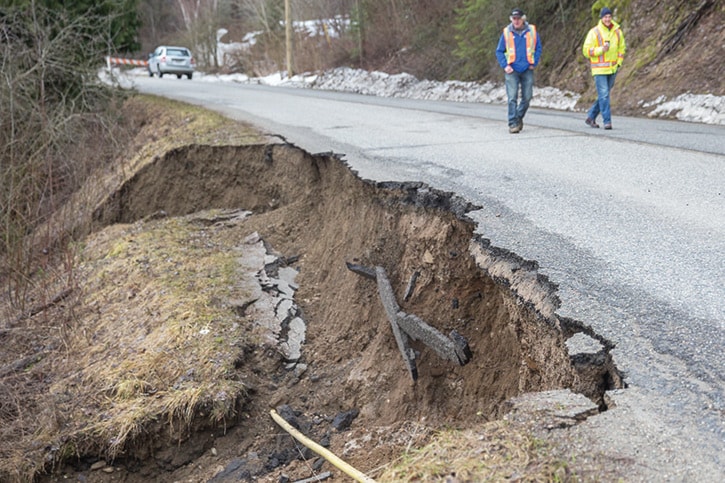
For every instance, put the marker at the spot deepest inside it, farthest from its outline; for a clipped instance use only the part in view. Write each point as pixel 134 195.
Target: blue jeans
pixel 514 81
pixel 604 84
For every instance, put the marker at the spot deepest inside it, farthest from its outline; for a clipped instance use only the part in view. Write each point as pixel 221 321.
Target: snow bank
pixel 709 109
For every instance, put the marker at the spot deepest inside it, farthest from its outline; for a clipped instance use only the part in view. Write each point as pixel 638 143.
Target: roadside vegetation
pixel 74 382
pixel 57 127
pixel 498 451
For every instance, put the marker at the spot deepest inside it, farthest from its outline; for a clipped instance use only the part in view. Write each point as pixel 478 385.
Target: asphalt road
pixel 630 223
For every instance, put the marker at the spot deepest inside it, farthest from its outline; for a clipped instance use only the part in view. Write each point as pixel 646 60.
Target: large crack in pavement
pixel 265 178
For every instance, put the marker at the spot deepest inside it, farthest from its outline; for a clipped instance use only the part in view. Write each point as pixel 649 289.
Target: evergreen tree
pixel 115 21
pixel 478 29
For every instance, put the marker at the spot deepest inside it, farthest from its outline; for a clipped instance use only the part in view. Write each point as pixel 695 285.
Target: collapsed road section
pixel 317 208
pixel 373 307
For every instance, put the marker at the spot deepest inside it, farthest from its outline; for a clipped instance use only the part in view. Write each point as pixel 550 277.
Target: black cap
pixel 517 12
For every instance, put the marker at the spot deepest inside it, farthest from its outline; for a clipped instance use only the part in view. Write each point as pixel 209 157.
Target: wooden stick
pixel 361 270
pixel 418 329
pixel 325 453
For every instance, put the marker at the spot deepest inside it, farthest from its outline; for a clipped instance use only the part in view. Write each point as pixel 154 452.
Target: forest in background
pixel 441 40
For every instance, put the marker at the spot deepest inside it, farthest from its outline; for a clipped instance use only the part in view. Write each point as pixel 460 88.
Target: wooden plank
pixel 391 309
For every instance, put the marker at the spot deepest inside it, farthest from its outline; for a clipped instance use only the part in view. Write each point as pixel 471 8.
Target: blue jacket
pixel 521 64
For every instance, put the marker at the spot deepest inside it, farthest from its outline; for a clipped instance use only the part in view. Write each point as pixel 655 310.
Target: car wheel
pixel 151 73
pixel 161 74
pixel 189 76
pixel 178 76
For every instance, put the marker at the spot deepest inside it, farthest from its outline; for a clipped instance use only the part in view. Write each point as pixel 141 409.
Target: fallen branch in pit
pixel 408 326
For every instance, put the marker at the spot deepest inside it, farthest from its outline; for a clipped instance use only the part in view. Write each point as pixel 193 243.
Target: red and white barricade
pixel 111 61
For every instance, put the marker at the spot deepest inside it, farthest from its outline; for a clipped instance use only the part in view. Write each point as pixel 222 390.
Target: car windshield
pixel 178 52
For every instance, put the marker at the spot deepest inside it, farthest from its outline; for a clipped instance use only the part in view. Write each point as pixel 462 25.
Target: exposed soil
pixel 170 218
pixel 315 212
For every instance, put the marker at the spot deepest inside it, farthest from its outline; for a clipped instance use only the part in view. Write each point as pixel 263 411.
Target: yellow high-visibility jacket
pixel 605 62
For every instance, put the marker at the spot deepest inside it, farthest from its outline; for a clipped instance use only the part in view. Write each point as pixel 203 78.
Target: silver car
pixel 171 60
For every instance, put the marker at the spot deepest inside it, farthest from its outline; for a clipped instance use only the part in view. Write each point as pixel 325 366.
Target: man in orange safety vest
pixel 518 52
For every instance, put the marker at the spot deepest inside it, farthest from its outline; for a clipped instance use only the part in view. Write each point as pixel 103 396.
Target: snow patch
pixel 705 108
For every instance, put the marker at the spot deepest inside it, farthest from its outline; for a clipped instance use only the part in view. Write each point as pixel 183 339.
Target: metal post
pixel 360 32
pixel 288 36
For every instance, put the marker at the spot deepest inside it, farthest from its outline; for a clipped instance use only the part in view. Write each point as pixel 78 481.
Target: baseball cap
pixel 517 12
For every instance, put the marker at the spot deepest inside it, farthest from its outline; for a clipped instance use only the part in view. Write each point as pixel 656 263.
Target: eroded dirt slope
pixel 315 211
pixel 315 215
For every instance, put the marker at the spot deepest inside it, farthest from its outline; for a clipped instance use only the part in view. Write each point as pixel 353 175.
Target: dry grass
pixel 171 341
pixel 144 347
pixel 498 451
pixel 153 349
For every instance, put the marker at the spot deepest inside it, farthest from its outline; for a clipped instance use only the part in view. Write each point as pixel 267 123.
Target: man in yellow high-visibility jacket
pixel 518 53
pixel 605 48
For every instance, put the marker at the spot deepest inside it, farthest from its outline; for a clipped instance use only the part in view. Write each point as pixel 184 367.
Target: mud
pixel 319 215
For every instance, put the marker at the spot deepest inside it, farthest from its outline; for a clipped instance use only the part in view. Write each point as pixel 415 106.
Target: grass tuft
pixel 497 451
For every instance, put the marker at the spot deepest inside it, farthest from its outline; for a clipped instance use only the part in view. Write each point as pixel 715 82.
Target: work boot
pixel 591 123
pixel 608 125
pixel 515 129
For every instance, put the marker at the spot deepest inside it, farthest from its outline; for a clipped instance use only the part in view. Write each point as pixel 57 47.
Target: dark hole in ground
pixel 316 212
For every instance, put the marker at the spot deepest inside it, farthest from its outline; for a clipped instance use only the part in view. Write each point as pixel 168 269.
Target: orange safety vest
pixel 511 47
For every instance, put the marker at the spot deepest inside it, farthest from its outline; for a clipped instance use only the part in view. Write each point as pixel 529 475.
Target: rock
pixel 289 415
pixel 318 464
pixel 231 469
pixel 343 420
pixel 583 344
pixel 252 239
pixel 284 310
pixel 292 347
pixel 300 369
pixel 287 285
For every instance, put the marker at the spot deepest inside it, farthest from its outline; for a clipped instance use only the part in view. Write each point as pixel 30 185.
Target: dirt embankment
pixel 316 215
